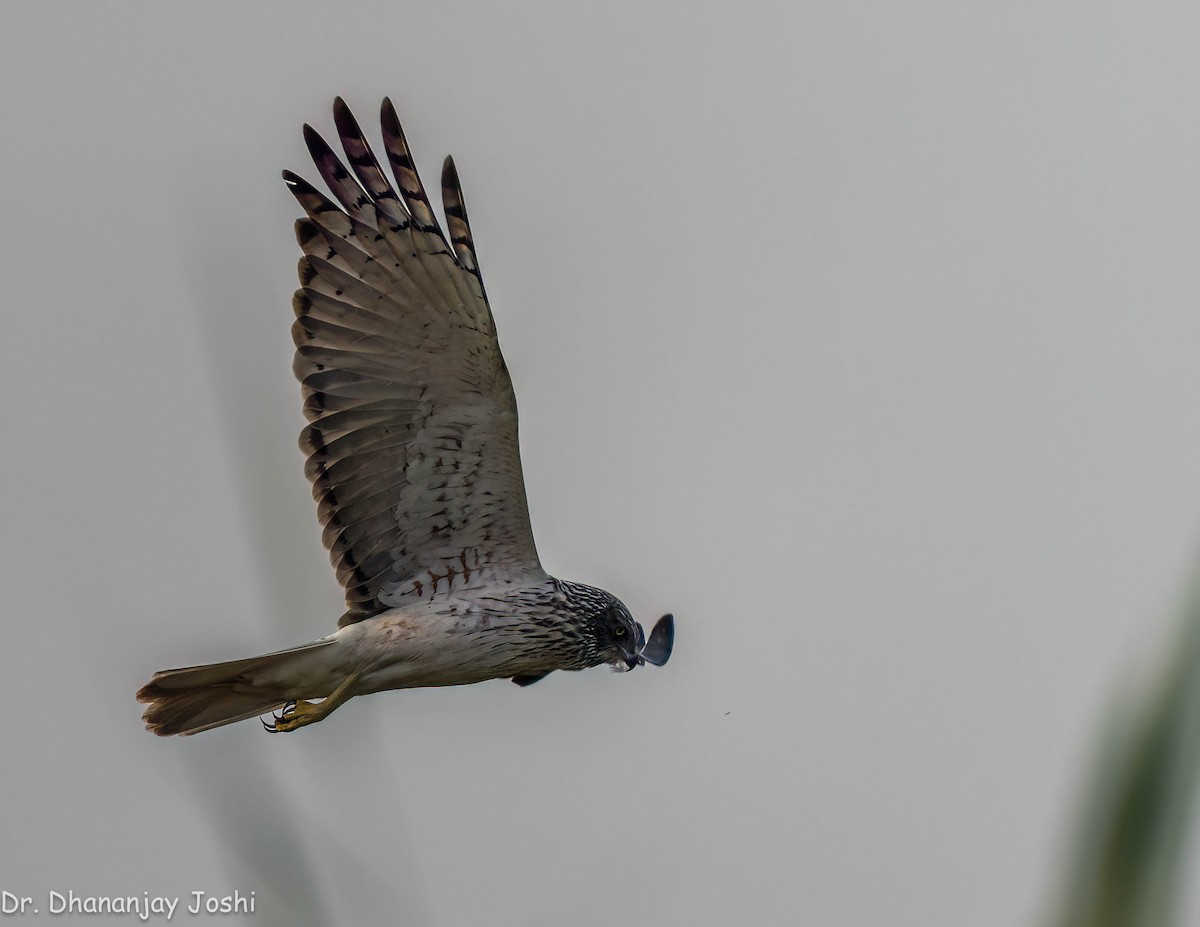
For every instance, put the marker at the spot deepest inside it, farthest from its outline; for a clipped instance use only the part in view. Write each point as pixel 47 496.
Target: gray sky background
pixel 863 337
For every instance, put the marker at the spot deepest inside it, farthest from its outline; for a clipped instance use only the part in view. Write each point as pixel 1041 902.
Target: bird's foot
pixel 300 713
pixel 295 715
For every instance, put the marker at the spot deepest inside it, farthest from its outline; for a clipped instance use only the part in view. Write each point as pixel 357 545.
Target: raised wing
pixel 412 442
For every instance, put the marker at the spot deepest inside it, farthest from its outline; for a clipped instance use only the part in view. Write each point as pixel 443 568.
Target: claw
pixel 272 727
pixel 297 713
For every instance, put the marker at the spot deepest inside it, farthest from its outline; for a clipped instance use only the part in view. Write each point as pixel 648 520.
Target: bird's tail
pixel 199 698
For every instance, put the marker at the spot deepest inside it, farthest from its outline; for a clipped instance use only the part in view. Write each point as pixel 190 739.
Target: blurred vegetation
pixel 1130 846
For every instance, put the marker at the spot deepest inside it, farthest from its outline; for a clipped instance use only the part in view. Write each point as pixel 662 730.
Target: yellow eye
pixel 620 631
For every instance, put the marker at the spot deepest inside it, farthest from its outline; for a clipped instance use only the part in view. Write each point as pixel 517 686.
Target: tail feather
pixel 192 699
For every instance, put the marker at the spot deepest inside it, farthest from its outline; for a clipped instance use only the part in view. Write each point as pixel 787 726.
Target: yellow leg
pixel 300 713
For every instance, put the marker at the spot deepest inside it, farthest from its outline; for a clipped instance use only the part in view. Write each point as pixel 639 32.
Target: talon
pixel 299 713
pixel 272 726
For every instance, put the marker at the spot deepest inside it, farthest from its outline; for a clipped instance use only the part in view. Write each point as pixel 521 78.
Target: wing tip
pixel 344 119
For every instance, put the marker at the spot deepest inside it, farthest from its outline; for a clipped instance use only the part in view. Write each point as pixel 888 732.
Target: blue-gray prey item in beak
pixel 662 639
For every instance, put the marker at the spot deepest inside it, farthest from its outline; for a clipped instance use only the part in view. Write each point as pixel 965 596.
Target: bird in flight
pixel 412 454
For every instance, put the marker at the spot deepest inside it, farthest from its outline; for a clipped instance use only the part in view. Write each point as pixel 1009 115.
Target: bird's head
pixel 620 637
pixel 610 633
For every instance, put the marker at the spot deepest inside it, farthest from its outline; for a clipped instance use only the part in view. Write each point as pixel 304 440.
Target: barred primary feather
pixel 412 442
